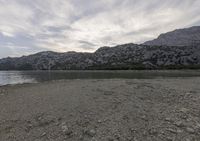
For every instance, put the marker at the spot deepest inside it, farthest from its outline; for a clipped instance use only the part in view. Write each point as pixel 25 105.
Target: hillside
pixel 127 56
pixel 179 49
pixel 180 37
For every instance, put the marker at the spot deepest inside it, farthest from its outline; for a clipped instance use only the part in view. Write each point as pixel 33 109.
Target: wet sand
pixel 102 110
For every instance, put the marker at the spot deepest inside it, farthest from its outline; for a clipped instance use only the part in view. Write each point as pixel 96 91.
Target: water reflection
pixel 15 77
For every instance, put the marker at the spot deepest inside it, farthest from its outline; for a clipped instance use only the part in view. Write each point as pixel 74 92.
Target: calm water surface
pixel 17 77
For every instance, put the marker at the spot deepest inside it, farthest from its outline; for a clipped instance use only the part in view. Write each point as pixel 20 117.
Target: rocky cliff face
pixel 180 37
pixel 127 56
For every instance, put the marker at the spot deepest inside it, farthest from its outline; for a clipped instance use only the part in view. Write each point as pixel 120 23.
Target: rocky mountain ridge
pixel 179 37
pixel 127 56
pixel 173 50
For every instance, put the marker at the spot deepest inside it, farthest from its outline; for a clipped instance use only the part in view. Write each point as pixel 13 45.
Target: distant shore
pixel 102 110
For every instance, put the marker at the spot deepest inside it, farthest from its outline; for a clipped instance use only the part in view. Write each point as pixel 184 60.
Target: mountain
pixel 180 37
pixel 174 50
pixel 127 56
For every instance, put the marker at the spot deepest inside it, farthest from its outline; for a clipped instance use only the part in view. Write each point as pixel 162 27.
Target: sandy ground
pixel 102 110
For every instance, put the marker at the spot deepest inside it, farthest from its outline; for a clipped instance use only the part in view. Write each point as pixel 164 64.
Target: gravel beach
pixel 102 110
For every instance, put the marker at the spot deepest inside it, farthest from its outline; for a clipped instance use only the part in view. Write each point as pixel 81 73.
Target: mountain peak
pixel 179 37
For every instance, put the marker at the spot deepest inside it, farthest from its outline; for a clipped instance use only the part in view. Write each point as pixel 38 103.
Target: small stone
pixel 66 130
pixel 43 134
pixel 190 130
pixel 99 121
pixel 117 136
pixel 105 120
pixel 143 117
pixel 57 123
pixel 135 139
pixel 30 125
pixel 162 132
pixel 179 131
pixel 184 110
pixel 81 137
pixel 153 131
pixel 2 94
pixel 197 126
pixel 172 130
pixel 133 130
pixel 188 139
pixel 179 123
pixel 90 133
pixel 168 119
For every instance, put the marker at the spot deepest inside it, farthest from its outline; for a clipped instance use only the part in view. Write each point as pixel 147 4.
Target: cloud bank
pixel 28 26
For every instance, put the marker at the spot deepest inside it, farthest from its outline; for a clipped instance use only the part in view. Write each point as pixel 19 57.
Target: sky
pixel 30 26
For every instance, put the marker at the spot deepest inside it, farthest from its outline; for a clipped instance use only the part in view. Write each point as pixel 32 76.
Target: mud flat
pixel 102 110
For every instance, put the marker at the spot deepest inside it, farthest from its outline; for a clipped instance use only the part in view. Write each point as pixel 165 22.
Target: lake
pixel 18 77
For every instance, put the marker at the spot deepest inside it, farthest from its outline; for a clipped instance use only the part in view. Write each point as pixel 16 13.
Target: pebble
pixel 143 117
pixel 99 121
pixel 2 93
pixel 117 136
pixel 133 130
pixel 168 119
pixel 172 130
pixel 188 139
pixel 66 130
pixel 179 123
pixel 197 125
pixel 43 134
pixel 190 130
pixel 153 131
pixel 184 110
pixel 90 133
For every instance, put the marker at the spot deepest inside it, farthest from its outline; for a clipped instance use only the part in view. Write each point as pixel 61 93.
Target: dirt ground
pixel 102 110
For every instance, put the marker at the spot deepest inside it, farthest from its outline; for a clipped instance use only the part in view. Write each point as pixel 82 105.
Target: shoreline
pixel 90 79
pixel 23 77
pixel 102 109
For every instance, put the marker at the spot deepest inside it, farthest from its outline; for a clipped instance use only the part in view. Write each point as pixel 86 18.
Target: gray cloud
pixel 28 26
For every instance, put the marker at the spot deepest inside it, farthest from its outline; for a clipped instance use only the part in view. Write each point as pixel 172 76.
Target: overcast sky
pixel 30 26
